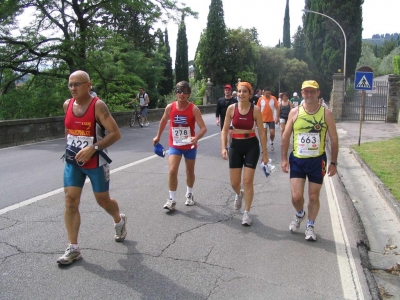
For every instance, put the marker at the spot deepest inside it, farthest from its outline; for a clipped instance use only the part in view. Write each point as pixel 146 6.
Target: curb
pixel 363 245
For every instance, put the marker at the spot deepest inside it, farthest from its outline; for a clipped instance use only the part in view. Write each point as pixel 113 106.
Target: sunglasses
pixel 76 84
pixel 177 91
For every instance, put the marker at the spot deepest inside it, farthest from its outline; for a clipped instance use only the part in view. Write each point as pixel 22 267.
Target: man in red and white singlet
pixel 182 116
pixel 86 120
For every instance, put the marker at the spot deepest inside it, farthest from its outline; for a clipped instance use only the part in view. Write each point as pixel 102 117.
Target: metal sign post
pixel 363 81
pixel 361 115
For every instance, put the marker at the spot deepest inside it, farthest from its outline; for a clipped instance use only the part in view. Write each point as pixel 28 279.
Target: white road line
pixel 30 201
pixel 347 268
pixel 60 190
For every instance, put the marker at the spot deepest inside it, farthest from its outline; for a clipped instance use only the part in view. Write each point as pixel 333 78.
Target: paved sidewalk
pixel 378 210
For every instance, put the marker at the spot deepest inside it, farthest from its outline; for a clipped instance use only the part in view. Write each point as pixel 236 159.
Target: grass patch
pixel 384 160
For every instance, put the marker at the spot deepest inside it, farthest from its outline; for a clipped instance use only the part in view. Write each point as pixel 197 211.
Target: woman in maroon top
pixel 244 150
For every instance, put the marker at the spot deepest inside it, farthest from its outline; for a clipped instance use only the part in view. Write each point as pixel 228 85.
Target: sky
pixel 379 17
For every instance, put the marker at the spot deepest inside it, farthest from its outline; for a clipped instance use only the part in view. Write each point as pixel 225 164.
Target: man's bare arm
pixel 105 118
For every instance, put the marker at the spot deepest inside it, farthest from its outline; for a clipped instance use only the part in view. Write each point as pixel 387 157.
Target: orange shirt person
pixel 267 103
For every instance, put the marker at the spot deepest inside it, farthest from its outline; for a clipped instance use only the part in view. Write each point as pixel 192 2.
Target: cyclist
pixel 144 105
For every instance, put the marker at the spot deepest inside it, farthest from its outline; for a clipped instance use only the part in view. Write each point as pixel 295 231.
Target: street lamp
pixel 344 35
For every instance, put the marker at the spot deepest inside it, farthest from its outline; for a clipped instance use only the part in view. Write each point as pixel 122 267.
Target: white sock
pixel 120 223
pixel 172 195
pixel 189 190
pixel 246 212
pixel 74 246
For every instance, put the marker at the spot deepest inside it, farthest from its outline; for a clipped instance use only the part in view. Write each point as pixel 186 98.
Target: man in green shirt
pixel 295 100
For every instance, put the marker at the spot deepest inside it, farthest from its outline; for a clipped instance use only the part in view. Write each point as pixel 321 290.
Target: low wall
pixel 25 131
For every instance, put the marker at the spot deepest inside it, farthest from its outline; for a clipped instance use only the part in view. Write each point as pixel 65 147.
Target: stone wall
pixel 337 96
pixel 25 131
pixel 393 111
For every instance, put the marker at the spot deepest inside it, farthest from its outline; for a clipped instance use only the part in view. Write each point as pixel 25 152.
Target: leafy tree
pixel 64 36
pixel 325 41
pixel 270 67
pixel 197 59
pixel 293 74
pixel 386 66
pixel 181 59
pixel 211 54
pixel 368 57
pixel 241 55
pixel 286 27
pixel 387 48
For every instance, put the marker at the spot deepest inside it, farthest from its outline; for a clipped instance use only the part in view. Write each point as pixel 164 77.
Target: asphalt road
pixel 199 252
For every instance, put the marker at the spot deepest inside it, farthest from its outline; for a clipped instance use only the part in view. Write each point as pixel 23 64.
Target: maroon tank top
pixel 243 122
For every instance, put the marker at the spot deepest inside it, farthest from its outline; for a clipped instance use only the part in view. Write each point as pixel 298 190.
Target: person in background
pixel 144 101
pixel 234 95
pixel 284 108
pixel 322 102
pixel 183 117
pixel 256 96
pixel 93 93
pixel 222 106
pixel 280 98
pixel 268 104
pixel 295 100
pixel 309 123
pixel 245 147
pixel 87 119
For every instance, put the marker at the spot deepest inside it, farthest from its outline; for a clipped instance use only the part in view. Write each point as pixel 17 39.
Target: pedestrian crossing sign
pixel 363 81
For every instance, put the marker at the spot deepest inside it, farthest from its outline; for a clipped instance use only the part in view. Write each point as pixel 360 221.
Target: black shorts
pixel 270 125
pixel 314 168
pixel 244 152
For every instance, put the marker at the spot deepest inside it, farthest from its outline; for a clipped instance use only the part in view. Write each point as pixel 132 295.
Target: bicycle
pixel 135 116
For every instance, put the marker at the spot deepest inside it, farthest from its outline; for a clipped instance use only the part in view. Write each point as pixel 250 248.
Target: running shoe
pixel 295 224
pixel 272 146
pixel 238 200
pixel 141 124
pixel 146 124
pixel 189 199
pixel 120 231
pixel 310 234
pixel 69 256
pixel 170 205
pixel 246 219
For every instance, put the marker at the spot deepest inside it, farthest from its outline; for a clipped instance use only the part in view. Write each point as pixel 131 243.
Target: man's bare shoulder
pixel 66 103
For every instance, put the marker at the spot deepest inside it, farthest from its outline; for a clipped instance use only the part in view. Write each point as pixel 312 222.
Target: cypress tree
pixel 299 45
pixel 325 40
pixel 181 59
pixel 167 83
pixel 286 27
pixel 212 50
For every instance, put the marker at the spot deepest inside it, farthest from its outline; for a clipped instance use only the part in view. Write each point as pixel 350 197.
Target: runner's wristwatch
pixel 96 147
pixel 334 163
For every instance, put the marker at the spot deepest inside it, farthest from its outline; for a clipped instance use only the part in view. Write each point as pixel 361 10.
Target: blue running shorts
pixel 188 154
pixel 314 168
pixel 99 177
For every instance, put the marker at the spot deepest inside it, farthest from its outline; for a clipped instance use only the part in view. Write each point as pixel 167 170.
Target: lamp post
pixel 345 41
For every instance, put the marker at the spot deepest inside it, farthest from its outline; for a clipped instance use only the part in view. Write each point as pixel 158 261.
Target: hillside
pixel 380 39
